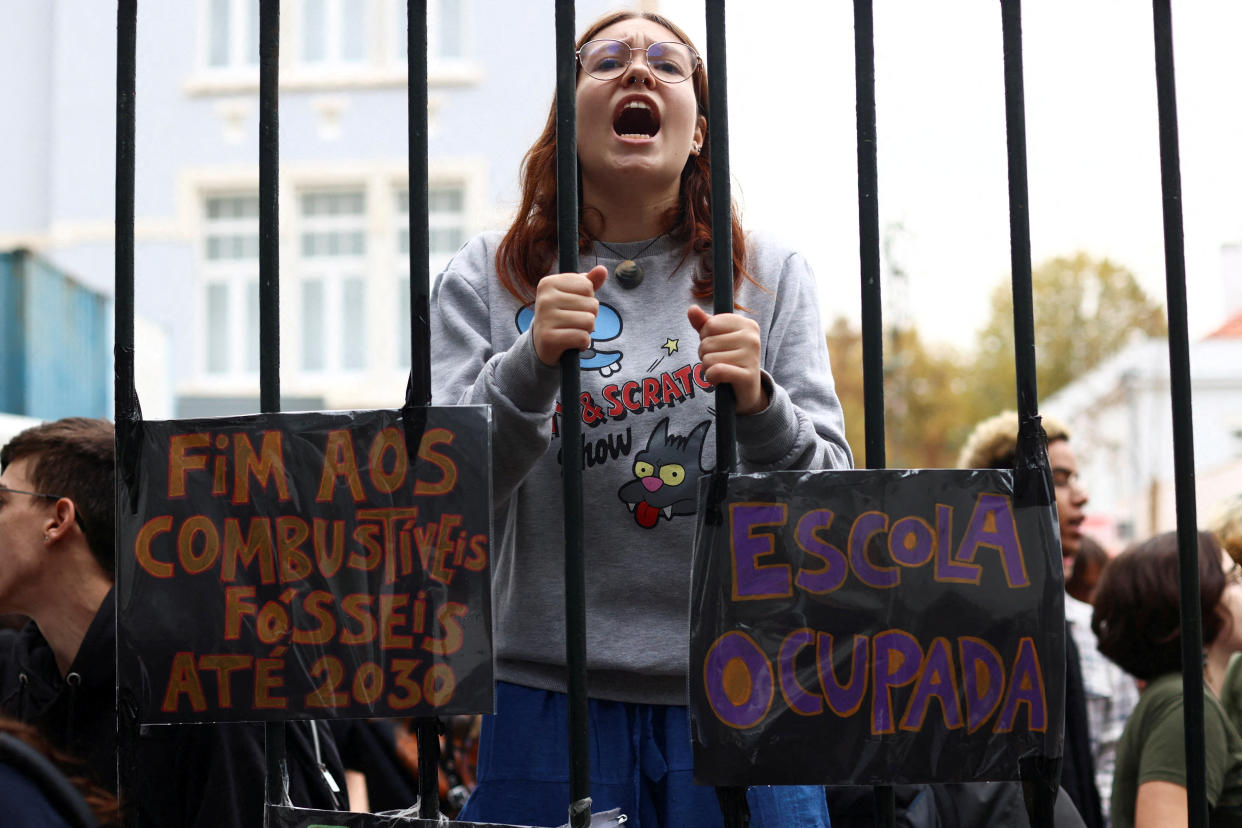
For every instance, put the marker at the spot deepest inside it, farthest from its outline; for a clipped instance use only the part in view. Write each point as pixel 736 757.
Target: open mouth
pixel 636 120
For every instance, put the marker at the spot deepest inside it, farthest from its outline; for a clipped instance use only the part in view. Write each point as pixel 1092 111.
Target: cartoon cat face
pixel 666 475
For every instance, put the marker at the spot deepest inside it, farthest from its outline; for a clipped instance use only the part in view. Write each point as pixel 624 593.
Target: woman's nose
pixel 638 72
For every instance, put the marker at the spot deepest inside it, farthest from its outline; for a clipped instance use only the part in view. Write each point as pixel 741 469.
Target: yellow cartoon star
pixel 670 345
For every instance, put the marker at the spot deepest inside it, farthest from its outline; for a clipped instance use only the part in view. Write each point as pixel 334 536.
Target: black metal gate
pixel 419 393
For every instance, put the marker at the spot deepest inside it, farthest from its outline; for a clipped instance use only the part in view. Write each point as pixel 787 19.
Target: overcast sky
pixel 1093 153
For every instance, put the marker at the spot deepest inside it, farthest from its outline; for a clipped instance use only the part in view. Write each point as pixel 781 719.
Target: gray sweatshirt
pixel 648 434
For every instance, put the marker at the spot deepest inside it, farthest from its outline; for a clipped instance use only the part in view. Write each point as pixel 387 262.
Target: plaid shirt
pixel 1111 695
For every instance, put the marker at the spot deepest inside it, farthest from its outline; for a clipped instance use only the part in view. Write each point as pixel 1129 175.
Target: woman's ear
pixel 700 131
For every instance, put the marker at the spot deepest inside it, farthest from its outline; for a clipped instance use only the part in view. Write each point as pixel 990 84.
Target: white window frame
pixel 437 260
pixel 438 63
pixel 239 277
pixel 243 57
pixel 383 64
pixel 334 272
pixel 334 59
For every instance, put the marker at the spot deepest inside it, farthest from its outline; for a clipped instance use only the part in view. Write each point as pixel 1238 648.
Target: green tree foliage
pixel 922 390
pixel 845 354
pixel 1085 310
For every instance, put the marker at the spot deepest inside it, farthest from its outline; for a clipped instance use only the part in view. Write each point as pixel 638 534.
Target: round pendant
pixel 628 273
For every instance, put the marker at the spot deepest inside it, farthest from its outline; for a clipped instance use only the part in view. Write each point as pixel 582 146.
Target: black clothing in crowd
pixel 181 775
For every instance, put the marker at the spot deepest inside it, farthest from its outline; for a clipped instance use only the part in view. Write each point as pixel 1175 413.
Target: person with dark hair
pixel 993 444
pixel 1088 566
pixel 57 490
pixel 651 357
pixel 1138 622
pixel 41 787
pixel 1226 525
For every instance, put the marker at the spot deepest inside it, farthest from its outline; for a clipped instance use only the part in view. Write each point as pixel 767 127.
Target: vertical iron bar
pixel 571 425
pixel 1183 429
pixel 428 767
pixel 126 69
pixel 869 261
pixel 732 799
pixel 125 398
pixel 1019 216
pixel 420 244
pixel 869 234
pixel 722 217
pixel 419 392
pixel 269 301
pixel 1039 777
pixel 269 206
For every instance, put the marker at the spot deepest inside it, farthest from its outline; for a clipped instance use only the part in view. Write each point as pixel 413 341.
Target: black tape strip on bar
pixel 722 217
pixel 733 805
pixel 1033 479
pixel 571 424
pixel 418 392
pixel 269 301
pixel 869 262
pixel 1183 430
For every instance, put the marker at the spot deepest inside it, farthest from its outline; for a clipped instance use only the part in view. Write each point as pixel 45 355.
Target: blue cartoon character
pixel 666 475
pixel 607 327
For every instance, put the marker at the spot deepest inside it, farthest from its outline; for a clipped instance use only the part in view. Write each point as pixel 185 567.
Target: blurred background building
pixel 1121 416
pixel 344 234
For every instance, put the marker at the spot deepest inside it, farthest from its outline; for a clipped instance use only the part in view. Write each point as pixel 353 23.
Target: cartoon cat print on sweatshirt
pixel 666 475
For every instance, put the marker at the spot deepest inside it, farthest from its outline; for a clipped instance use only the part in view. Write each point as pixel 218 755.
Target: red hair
pixel 529 248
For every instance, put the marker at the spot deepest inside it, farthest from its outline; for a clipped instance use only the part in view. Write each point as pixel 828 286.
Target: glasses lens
pixel 671 62
pixel 604 59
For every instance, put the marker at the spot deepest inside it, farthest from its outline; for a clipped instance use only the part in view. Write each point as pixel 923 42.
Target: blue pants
pixel 641 762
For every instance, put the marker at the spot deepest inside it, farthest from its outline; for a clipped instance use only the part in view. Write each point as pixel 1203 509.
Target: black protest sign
pixel 317 565
pixel 872 627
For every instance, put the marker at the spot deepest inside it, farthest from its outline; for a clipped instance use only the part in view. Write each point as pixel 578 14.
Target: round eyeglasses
pixel 671 62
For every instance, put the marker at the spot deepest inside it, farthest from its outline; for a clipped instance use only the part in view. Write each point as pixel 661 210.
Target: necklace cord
pixel 628 273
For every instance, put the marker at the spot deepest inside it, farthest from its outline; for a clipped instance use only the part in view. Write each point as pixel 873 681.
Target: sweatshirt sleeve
pixel 803 426
pixel 467 369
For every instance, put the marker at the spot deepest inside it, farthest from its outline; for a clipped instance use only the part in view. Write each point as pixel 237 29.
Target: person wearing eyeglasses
pixel 651 356
pixel 1226 525
pixel 1138 621
pixel 58 673
pixel 1098 696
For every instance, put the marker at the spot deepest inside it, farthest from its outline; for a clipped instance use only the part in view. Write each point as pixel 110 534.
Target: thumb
pixel 698 317
pixel 597 275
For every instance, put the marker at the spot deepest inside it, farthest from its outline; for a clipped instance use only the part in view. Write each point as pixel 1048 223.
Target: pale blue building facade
pixel 344 176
